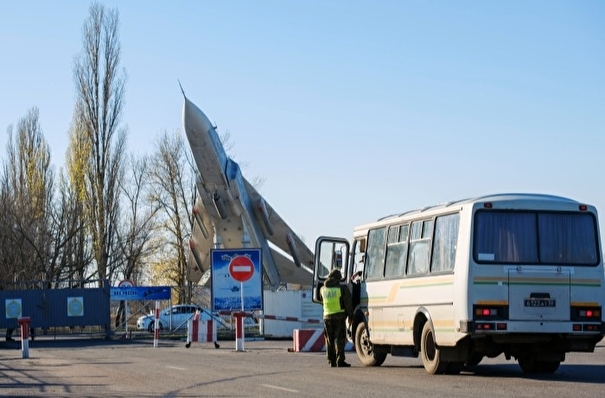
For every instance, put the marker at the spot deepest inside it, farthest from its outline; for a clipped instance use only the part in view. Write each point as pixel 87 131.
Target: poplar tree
pixel 96 169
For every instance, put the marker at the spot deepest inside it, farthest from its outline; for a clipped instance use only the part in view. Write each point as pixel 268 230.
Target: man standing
pixel 338 306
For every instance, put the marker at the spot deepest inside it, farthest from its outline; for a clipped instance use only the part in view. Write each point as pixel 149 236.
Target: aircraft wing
pixel 278 232
pixel 200 243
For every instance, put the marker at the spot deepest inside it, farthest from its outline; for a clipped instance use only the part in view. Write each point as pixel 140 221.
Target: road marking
pixel 279 388
pixel 175 368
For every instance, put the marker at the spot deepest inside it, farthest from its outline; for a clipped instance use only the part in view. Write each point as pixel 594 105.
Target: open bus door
pixel 330 253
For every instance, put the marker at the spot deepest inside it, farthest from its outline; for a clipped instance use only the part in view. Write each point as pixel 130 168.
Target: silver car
pixel 172 318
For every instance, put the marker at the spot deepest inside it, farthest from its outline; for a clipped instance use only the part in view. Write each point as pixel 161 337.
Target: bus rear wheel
pixel 473 360
pixel 431 356
pixel 365 349
pixel 530 364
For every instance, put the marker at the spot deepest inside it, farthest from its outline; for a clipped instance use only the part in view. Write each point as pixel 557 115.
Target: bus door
pixel 330 253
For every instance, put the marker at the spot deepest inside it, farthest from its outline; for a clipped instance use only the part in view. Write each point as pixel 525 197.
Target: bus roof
pixel 498 197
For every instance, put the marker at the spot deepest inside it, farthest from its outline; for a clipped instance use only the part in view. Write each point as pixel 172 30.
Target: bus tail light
pixel 484 326
pixel 491 326
pixel 592 328
pixel 588 327
pixel 490 312
pixel 586 314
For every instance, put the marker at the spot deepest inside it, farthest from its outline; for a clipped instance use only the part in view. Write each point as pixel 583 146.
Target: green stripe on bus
pixel 426 285
pixel 579 284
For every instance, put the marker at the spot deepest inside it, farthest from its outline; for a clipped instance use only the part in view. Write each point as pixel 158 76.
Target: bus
pixel 513 274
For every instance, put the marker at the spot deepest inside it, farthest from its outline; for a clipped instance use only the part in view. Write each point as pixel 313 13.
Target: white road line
pixel 175 368
pixel 279 388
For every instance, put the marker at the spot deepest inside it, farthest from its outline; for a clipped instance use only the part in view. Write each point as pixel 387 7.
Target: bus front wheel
pixel 365 349
pixel 431 357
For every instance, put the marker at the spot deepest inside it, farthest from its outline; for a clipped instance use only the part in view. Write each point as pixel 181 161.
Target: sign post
pixel 241 268
pixel 156 326
pixel 230 266
pixel 126 283
pixel 24 324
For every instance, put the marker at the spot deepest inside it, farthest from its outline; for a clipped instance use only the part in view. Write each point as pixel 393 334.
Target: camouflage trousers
pixel 335 332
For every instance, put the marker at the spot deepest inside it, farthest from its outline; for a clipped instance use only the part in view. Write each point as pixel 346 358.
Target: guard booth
pixel 59 307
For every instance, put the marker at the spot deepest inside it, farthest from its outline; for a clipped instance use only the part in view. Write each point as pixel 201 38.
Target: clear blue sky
pixel 349 110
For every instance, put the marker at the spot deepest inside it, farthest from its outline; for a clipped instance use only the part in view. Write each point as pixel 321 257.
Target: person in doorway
pixel 337 306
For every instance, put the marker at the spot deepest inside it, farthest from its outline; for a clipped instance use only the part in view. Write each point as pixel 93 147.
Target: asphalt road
pixel 85 367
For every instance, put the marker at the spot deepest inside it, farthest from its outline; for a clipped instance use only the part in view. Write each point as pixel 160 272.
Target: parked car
pixel 173 318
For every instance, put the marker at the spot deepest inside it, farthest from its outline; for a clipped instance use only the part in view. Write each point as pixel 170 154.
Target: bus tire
pixel 365 349
pixel 549 366
pixel 473 360
pixel 454 368
pixel 431 356
pixel 530 365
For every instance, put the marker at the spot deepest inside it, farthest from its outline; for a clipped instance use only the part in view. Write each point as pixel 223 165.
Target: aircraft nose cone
pixel 194 119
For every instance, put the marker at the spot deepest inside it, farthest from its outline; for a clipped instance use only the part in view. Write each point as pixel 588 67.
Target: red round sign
pixel 241 268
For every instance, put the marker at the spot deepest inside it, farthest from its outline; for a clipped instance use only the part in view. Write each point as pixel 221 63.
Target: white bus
pixel 513 274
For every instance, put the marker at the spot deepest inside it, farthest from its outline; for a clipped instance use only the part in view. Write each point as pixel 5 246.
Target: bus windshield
pixel 525 237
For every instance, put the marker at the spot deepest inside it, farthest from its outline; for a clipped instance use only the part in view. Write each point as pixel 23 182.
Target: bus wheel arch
pixel 422 316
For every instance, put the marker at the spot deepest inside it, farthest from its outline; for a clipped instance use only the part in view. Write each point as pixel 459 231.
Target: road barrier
pixel 313 340
pixel 307 339
pixel 24 324
pixel 156 327
pixel 200 331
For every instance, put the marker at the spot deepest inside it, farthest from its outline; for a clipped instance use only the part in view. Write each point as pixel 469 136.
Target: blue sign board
pixel 140 293
pixel 236 279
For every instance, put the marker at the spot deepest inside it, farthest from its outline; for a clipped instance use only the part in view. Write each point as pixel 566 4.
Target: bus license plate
pixel 540 303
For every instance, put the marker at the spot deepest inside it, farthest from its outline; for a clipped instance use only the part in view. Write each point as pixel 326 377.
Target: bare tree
pixel 72 248
pixel 174 193
pixel 27 191
pixel 100 88
pixel 138 225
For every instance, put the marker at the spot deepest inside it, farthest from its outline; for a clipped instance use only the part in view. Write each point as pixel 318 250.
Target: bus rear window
pixel 546 238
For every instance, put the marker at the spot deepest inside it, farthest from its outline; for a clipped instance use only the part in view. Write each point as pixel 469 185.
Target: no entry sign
pixel 236 279
pixel 241 268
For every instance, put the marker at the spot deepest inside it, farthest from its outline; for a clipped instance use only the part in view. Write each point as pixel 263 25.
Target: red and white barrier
pixel 305 340
pixel 274 317
pixel 156 329
pixel 200 331
pixel 313 340
pixel 239 331
pixel 24 324
pixel 309 340
pixel 287 318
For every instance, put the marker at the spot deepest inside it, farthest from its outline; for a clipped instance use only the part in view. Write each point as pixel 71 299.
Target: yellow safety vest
pixel 331 300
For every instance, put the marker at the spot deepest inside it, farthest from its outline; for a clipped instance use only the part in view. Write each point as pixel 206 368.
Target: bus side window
pixel 420 245
pixel 374 261
pixel 444 243
pixel 397 251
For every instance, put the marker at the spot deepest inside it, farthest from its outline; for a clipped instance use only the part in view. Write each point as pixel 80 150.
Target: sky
pixel 347 110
